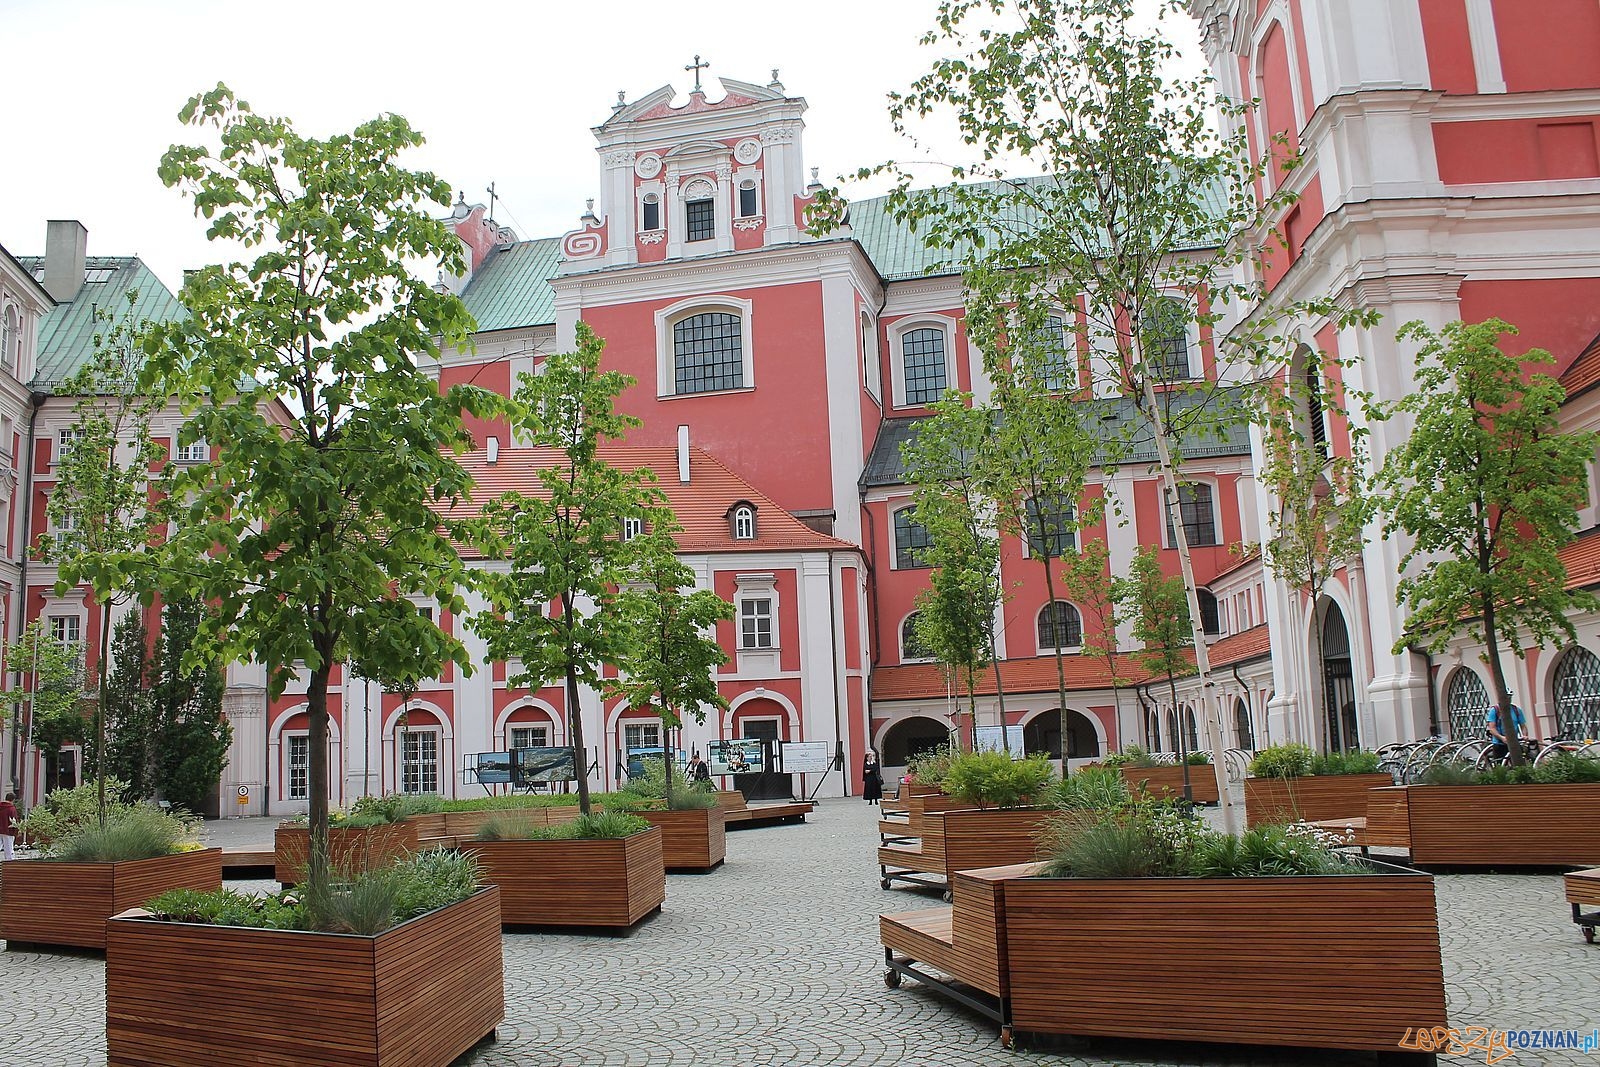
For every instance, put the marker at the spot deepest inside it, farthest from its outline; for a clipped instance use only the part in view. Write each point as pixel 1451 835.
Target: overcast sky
pixel 504 92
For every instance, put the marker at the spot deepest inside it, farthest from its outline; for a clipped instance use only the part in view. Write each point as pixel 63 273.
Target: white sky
pixel 504 91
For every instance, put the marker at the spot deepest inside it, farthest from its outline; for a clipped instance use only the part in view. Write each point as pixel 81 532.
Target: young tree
pixel 191 735
pixel 1086 580
pixel 1160 613
pixel 563 544
pixel 1321 500
pixel 100 509
pixel 1488 489
pixel 54 695
pixel 674 655
pixel 131 725
pixel 950 465
pixel 307 371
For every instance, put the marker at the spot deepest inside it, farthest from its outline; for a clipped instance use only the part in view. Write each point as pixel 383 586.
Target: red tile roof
pixel 921 681
pixel 1581 557
pixel 1584 374
pixel 701 506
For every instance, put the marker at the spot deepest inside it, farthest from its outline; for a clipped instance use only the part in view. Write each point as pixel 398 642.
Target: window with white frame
pixel 1199 516
pixel 1060 626
pixel 911 540
pixel 1164 333
pixel 65 439
pixel 637 735
pixel 744 522
pixel 700 217
pixel 632 526
pixel 1052 526
pixel 64 530
pixel 922 354
pixel 1210 614
pixel 193 452
pixel 755 623
pixel 747 199
pixel 708 353
pixel 651 216
pixel 419 771
pixel 298 766
pixel 1049 361
pixel 10 340
pixel 530 737
pixel 912 647
pixel 66 630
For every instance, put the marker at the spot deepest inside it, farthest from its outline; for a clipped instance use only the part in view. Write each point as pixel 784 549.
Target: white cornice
pixel 752 269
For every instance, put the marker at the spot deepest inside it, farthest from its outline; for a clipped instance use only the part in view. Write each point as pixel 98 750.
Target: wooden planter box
pixel 1340 961
pixel 695 840
pixel 350 851
pixel 463 825
pixel 918 789
pixel 1498 825
pixel 605 882
pixel 1167 782
pixel 964 840
pixel 1308 799
pixel 419 995
pixel 50 903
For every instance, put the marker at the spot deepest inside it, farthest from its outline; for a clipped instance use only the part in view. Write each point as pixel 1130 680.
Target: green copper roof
pixel 512 289
pixel 66 333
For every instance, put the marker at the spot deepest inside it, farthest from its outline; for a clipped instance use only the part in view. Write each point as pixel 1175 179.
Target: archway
pixel 1079 736
pixel 1042 734
pixel 1244 731
pixel 1338 683
pixel 907 738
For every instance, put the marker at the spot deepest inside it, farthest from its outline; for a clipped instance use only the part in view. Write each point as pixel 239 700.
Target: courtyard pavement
pixel 774 960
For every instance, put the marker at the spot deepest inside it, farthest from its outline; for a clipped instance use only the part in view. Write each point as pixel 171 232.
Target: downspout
pixel 1433 696
pixel 35 402
pixel 838 679
pixel 1144 711
pixel 872 584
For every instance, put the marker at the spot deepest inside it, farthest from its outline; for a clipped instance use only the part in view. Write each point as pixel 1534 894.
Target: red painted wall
pixel 1561 315
pixel 1517 150
pixel 1449 43
pixel 1554 44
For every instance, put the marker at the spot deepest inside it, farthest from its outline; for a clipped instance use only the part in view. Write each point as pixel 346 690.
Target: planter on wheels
pixel 1309 799
pixel 1166 781
pixel 351 850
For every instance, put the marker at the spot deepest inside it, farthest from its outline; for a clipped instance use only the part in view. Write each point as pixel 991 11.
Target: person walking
pixel 871 778
pixel 8 826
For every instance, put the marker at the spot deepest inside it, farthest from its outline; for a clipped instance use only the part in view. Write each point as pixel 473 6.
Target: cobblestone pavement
pixel 774 960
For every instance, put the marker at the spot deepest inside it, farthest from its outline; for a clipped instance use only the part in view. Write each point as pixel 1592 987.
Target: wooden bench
pixel 246 863
pixel 740 815
pixel 1583 888
pixel 962 840
pixel 918 807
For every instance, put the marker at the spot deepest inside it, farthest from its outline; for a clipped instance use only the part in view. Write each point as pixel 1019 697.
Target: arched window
pixel 1577 689
pixel 1199 516
pixel 911 646
pixel 1152 731
pixel 1466 703
pixel 743 519
pixel 1210 613
pixel 1165 335
pixel 651 216
pixel 708 353
pixel 1242 726
pixel 1060 626
pixel 10 340
pixel 1191 729
pixel 1316 416
pixel 922 352
pixel 911 540
pixel 1052 522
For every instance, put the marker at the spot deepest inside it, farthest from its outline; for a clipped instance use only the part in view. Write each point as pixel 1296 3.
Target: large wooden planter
pixel 1496 825
pixel 963 840
pixel 51 903
pixel 1167 781
pixel 612 882
pixel 918 789
pixel 462 825
pixel 350 850
pixel 419 995
pixel 1309 799
pixel 694 840
pixel 1341 961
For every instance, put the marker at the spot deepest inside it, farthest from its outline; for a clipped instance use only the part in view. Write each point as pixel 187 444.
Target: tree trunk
pixel 317 779
pixel 1000 698
pixel 1183 737
pixel 666 753
pixel 1319 683
pixel 1497 677
pixel 1061 663
pixel 580 755
pixel 100 707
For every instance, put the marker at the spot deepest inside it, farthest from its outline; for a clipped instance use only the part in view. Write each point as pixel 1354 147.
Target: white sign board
pixel 807 757
pixel 987 739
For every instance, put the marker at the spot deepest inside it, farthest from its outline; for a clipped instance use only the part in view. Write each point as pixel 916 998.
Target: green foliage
pixel 1290 760
pixel 65 811
pixel 562 544
pixel 56 689
pixel 136 833
pixel 396 807
pixel 591 825
pixel 318 519
pixel 1265 852
pixel 1091 789
pixel 1131 756
pixel 511 801
pixel 986 778
pixel 1198 759
pixel 652 787
pixel 1561 769
pixel 931 766
pixel 1159 608
pixel 1355 761
pixel 132 750
pixel 1146 841
pixel 191 735
pixel 228 907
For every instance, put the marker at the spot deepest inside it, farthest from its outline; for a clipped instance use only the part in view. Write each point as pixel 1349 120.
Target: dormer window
pixel 742 519
pixel 632 526
pixel 652 212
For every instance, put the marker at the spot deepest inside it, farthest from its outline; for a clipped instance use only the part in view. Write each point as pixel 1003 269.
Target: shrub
pixel 1091 789
pixel 138 833
pixel 696 797
pixel 1131 756
pixel 599 824
pixel 1154 842
pixel 931 767
pixel 986 778
pixel 1565 768
pixel 67 810
pixel 1358 761
pixel 512 800
pixel 1265 852
pixel 396 807
pixel 1291 760
pixel 227 907
pixel 1198 759
pixel 1561 769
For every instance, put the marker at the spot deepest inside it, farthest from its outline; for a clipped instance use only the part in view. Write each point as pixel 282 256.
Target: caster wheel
pixel 891 979
pixel 1007 1038
pixel 883 883
pixel 946 897
pixel 1588 934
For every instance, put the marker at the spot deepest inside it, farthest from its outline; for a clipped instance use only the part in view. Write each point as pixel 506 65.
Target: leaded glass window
pixel 911 540
pixel 1577 686
pixel 1051 526
pixel 1166 338
pixel 1052 366
pixel 708 353
pixel 1466 703
pixel 923 352
pixel 299 766
pixel 420 769
pixel 1060 626
pixel 1199 517
pixel 911 646
pixel 700 219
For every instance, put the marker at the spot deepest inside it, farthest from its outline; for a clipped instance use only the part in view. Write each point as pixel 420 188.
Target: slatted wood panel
pixel 991 837
pixel 730 800
pixel 429 825
pixel 1583 887
pixel 691 840
pixel 1168 781
pixel 463 825
pixel 924 936
pixel 349 850
pixel 1337 962
pixel 51 903
pixel 1388 823
pixel 613 882
pixel 1504 825
pixel 181 995
pixel 1332 796
pixel 918 789
pixel 978 921
pixel 924 803
pixel 911 856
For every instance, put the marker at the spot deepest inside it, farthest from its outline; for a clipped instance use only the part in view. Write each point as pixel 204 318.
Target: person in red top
pixel 8 825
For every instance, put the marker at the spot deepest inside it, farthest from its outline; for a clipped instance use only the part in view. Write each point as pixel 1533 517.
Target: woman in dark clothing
pixel 871 779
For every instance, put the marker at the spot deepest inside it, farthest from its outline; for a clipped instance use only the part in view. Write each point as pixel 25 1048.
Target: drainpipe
pixel 1144 710
pixel 872 581
pixel 1247 709
pixel 838 677
pixel 1433 697
pixel 19 623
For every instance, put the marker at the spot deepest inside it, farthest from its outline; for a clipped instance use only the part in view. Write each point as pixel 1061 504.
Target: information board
pixel 987 739
pixel 531 765
pixel 807 757
pixel 736 757
pixel 489 768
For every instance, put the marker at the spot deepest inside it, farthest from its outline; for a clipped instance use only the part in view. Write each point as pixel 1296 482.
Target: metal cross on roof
pixel 697 67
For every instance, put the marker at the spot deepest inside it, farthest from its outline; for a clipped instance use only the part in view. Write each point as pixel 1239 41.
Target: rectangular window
pixel 62 532
pixel 197 452
pixel 755 623
pixel 747 202
pixel 420 773
pixel 299 767
pixel 923 352
pixel 67 630
pixel 632 526
pixel 637 735
pixel 700 219
pixel 530 737
pixel 652 215
pixel 708 353
pixel 1199 518
pixel 65 439
pixel 911 541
